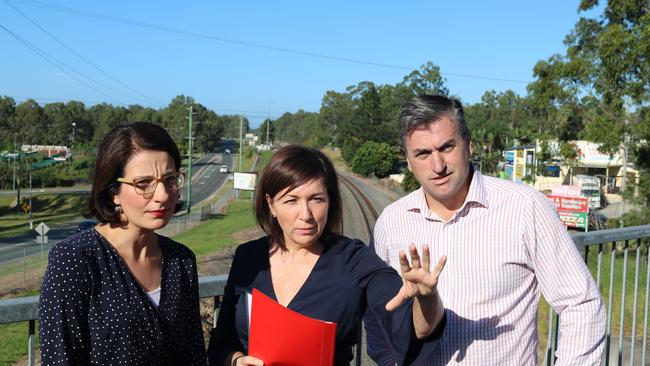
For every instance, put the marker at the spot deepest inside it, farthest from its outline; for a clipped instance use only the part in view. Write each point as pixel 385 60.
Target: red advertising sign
pixel 570 204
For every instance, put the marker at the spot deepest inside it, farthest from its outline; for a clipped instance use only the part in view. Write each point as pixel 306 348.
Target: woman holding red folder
pixel 307 266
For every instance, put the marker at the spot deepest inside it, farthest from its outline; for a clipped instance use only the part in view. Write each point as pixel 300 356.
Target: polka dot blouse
pixel 92 311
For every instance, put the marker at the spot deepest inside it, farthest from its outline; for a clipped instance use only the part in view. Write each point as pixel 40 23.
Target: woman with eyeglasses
pixel 119 293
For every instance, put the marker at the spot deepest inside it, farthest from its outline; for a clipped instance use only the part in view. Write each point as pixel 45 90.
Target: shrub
pixel 374 158
pixel 409 184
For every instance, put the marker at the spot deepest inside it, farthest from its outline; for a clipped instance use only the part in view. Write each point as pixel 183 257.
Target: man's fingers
pixel 426 258
pixel 403 262
pixel 415 256
pixel 438 268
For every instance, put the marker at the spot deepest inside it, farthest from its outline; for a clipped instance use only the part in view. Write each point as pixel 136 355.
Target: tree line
pixel 74 125
pixel 597 90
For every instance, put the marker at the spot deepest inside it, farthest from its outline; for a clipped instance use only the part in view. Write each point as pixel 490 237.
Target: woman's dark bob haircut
pixel 289 168
pixel 115 151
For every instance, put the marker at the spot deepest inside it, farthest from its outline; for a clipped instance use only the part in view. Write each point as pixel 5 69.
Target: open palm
pixel 417 279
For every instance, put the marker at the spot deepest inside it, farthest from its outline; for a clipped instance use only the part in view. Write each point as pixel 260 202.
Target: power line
pixel 84 13
pixel 149 100
pixel 58 64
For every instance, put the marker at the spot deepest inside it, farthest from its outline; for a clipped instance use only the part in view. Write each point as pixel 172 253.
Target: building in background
pixel 522 164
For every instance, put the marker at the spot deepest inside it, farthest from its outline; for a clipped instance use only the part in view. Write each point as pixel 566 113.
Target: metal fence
pixel 626 249
pixel 624 283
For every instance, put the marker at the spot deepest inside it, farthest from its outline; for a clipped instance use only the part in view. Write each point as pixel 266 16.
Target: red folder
pixel 280 336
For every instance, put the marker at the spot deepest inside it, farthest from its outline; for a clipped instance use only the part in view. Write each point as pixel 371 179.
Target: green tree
pixel 374 158
pixel 106 118
pixel 138 113
pixel 209 132
pixel 606 62
pixel 426 80
pixel 571 156
pixel 410 184
pixel 7 113
pixel 29 122
pixel 266 126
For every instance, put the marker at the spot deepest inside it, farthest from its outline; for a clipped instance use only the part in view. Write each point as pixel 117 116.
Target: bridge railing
pixel 618 258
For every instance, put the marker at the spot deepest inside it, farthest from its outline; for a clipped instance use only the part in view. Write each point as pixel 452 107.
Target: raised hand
pixel 418 279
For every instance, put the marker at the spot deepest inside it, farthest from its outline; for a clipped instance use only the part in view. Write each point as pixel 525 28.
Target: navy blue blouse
pixel 347 280
pixel 92 310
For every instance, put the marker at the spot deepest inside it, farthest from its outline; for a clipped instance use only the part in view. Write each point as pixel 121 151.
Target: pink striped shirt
pixel 505 246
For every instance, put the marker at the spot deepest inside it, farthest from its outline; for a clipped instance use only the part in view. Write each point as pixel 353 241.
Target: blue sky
pixel 236 65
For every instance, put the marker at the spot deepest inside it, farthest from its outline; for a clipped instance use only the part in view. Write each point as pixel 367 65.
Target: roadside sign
pixel 574 219
pixel 245 181
pixel 570 204
pixel 567 191
pixel 25 207
pixel 41 239
pixel 42 229
pixel 573 211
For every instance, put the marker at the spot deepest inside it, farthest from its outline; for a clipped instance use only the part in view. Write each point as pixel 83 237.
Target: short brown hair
pixel 289 168
pixel 421 111
pixel 117 147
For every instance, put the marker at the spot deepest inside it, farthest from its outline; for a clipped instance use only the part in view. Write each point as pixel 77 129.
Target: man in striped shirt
pixel 505 246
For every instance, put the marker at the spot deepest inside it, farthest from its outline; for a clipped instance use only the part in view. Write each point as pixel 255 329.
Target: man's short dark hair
pixel 289 168
pixel 117 147
pixel 421 111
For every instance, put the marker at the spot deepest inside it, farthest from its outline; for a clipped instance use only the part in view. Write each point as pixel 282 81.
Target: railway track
pixel 369 212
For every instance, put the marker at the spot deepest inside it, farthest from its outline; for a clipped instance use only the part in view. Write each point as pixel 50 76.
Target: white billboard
pixel 245 181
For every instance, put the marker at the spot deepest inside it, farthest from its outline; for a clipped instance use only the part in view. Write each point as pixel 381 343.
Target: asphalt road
pixel 206 181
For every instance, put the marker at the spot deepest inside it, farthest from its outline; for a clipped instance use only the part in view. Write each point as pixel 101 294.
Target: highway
pixel 206 181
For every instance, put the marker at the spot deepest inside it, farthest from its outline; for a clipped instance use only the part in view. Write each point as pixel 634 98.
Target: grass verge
pixel 13 342
pixel 216 233
pixel 51 208
pixel 617 291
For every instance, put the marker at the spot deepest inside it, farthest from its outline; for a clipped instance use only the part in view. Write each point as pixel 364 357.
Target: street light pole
pixel 189 167
pixel 268 122
pixel 31 223
pixel 15 151
pixel 20 171
pixel 241 141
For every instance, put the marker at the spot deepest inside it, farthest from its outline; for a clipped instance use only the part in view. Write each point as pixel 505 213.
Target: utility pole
pixel 20 171
pixel 268 122
pixel 31 223
pixel 16 151
pixel 189 167
pixel 241 139
pixel 626 142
